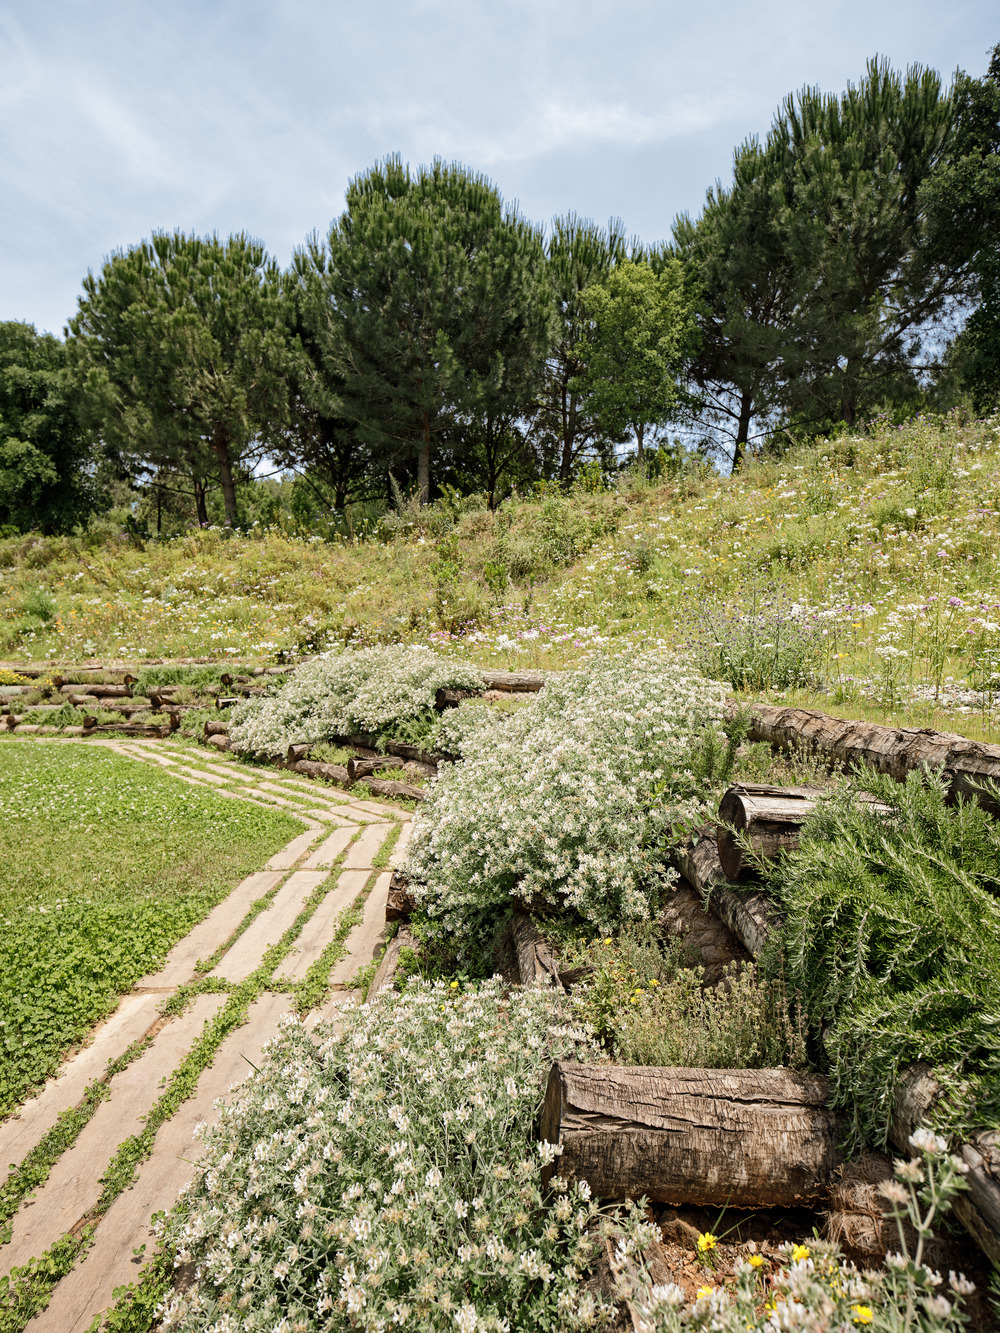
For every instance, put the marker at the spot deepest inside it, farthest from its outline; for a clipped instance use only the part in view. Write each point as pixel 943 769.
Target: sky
pixel 123 117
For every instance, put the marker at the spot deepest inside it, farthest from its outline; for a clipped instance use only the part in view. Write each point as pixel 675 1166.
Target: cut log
pixel 220 741
pixel 746 1137
pixel 221 702
pixel 750 916
pixel 404 791
pixel 768 817
pixel 512 682
pixel 295 753
pixel 978 1207
pixel 97 690
pixel 12 720
pixel 449 698
pixel 364 768
pixel 892 750
pixel 83 700
pixel 216 728
pixel 400 902
pixel 389 962
pixel 536 964
pixel 332 772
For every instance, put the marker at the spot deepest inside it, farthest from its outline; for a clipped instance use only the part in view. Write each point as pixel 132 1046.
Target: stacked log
pixel 513 682
pixel 893 750
pixel 745 1137
pixel 400 902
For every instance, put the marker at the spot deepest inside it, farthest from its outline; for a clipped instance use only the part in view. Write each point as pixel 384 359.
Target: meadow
pixel 106 865
pixel 856 572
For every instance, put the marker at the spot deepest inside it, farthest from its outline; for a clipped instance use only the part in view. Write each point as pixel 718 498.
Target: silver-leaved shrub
pixel 571 800
pixel 383 1173
pixel 355 689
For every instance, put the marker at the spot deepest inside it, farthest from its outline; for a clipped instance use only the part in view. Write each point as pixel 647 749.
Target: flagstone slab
pixel 361 853
pixel 73 1187
pixel 89 1289
pixel 293 852
pixel 26 1128
pixel 366 940
pixel 247 953
pixel 402 842
pixel 204 939
pixel 327 852
pixel 318 930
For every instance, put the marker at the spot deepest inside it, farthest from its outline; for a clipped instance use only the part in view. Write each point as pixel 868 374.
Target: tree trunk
pixel 892 750
pixel 220 447
pixel 742 430
pixel 448 698
pixel 201 509
pixel 745 1137
pixel 424 463
pixel 216 728
pixel 400 790
pixel 640 453
pixel 977 1208
pixel 364 768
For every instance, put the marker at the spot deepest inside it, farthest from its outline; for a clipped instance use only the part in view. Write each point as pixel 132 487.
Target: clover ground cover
pixel 106 864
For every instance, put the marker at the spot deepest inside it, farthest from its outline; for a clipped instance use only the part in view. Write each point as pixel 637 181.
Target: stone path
pixel 342 838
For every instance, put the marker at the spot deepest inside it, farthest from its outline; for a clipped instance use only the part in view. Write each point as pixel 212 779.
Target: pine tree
pixel 180 347
pixel 438 308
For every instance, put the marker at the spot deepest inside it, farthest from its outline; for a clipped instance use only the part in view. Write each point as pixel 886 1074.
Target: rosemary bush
pixel 571 800
pixel 383 689
pixel 892 938
pixel 382 1173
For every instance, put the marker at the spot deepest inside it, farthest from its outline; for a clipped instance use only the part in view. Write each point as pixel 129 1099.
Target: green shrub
pixel 892 938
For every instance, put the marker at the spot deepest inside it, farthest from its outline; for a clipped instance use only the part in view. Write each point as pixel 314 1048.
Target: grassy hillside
pixel 859 573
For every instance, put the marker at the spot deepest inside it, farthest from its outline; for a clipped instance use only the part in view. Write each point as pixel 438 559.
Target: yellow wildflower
pixel 756 1261
pixel 800 1252
pixel 863 1314
pixel 706 1242
pixel 454 985
pixel 703 1292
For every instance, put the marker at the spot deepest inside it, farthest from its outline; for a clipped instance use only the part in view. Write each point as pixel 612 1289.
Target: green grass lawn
pixel 104 864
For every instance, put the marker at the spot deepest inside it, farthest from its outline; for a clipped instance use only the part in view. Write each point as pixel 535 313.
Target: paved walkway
pixel 339 831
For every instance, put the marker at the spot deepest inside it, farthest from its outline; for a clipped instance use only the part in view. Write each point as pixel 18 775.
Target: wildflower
pixel 756 1261
pixel 800 1252
pixel 863 1314
pixel 703 1293
pixel 706 1242
pixel 925 1140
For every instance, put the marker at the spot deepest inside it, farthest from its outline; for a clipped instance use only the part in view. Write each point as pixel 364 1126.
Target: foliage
pixel 566 804
pixel 640 328
pixel 385 1168
pixel 655 1010
pixel 892 938
pixel 816 1291
pixel 179 347
pixel 365 689
pixel 763 642
pixel 103 876
pixel 45 453
pixel 437 314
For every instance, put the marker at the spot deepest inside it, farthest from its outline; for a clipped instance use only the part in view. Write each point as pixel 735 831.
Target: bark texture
pixel 769 818
pixel 750 916
pixel 895 751
pixel 216 729
pixel 535 963
pixel 978 1208
pixel 400 902
pixel 386 971
pixel 514 681
pixel 748 1137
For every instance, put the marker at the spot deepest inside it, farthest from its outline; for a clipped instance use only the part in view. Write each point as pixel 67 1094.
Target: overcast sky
pixel 120 117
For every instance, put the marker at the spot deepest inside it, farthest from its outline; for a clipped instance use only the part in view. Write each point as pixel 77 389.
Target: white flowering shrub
pixel 381 1174
pixel 360 689
pixel 571 799
pixel 460 728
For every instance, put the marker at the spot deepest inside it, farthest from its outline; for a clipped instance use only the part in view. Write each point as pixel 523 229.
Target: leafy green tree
pixel 641 325
pixel 437 308
pixel 180 349
pixel 46 456
pixel 579 254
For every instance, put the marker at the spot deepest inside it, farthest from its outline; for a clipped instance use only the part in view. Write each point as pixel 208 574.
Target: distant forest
pixel 435 341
